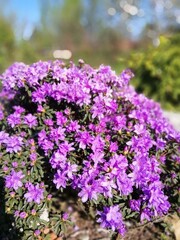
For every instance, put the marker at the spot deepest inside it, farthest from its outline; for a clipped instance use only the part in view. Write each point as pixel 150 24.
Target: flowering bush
pixel 83 132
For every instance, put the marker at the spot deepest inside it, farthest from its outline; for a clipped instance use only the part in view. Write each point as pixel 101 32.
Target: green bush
pixel 157 72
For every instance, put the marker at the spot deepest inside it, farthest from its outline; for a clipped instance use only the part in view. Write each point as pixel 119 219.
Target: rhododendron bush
pixel 70 130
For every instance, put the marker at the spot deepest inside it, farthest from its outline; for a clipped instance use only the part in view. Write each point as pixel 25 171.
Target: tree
pixel 66 24
pixel 7 43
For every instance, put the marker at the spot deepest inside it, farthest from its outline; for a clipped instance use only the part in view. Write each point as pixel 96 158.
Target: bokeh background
pixel 143 35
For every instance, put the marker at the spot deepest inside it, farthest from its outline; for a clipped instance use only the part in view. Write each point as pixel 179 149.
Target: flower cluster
pixel 112 218
pixel 88 130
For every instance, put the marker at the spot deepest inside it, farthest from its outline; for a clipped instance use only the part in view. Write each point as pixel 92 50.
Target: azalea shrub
pixel 77 132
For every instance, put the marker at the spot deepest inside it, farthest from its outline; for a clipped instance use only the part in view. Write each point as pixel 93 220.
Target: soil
pixel 86 229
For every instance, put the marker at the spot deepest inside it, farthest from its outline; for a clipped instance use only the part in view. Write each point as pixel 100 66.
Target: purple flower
pixel 48 122
pixel 65 216
pixel 90 188
pixel 98 109
pixel 126 75
pixel 84 139
pixel 98 144
pixel 157 200
pixel 65 147
pixel 12 194
pixel 59 91
pixel 67 111
pixel 16 213
pixel 14 76
pixel 41 136
pixel 30 120
pixel 113 147
pixel 40 109
pixel 19 109
pixel 97 157
pixel 60 179
pixel 33 156
pixel 118 164
pixel 37 71
pixel 39 96
pixel 107 185
pixel 146 214
pixel 57 134
pixel 47 145
pixel 1 115
pixel 15 164
pixel 44 142
pixel 139 129
pixel 14 119
pixel 58 72
pixel 33 212
pixel 23 215
pixel 58 159
pixel 111 217
pixel 35 193
pixel 37 232
pixel 124 183
pixel 13 144
pixel 3 137
pixel 23 164
pixel 135 204
pixel 70 169
pixel 160 144
pixel 14 180
pixel 61 119
pixel 5 168
pixel 49 197
pixel 73 126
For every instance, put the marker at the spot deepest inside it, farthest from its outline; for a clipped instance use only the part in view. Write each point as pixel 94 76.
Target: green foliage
pixel 157 72
pixel 7 43
pixel 66 25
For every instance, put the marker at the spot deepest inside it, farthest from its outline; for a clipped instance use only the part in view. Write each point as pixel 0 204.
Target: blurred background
pixel 143 35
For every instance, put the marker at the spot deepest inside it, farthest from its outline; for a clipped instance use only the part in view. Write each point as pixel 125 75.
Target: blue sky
pixel 28 16
pixel 26 9
pixel 27 12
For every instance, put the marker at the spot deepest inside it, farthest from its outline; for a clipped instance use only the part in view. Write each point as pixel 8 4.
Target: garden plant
pixel 157 72
pixel 72 131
